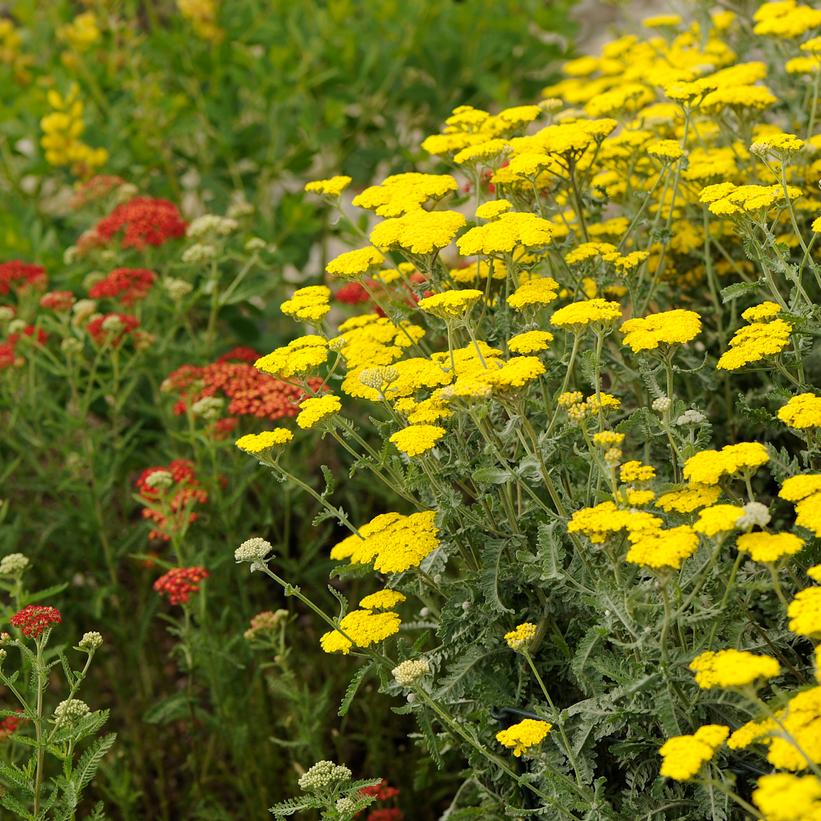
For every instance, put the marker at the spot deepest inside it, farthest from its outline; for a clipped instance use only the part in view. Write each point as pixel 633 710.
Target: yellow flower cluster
pixel 605 519
pixel 787 797
pixel 62 130
pixel 450 304
pixel 403 193
pixel 684 755
pixel 665 328
pixel 82 32
pixel 317 409
pixel 763 337
pixel 535 292
pixel 310 304
pixel 579 315
pixel 718 519
pixel 707 467
pixel 688 499
pixel 523 736
pixel 663 548
pixel 804 491
pixel 530 342
pixel 418 231
pixel 298 358
pixel 805 613
pixel 507 232
pixel 732 669
pixel 726 199
pixel 415 440
pixel 331 187
pixel 356 263
pixel 392 543
pixel 382 600
pixel 802 412
pixel 364 627
pixel 261 442
pixel 769 547
pixel 520 637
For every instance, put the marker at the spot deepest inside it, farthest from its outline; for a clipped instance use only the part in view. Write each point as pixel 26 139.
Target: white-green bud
pixel 661 405
pixel 177 288
pixel 322 775
pixel 13 564
pixel 254 550
pixel 409 672
pixel 199 252
pixel 159 479
pixel 90 641
pixel 209 407
pixel 70 711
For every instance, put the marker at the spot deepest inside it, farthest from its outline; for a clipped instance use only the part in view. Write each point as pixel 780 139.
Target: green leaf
pixel 739 289
pixel 90 761
pixel 350 692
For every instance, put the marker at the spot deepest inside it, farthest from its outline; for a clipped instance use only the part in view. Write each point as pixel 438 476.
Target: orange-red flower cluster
pixel 170 507
pixel 142 221
pixel 8 353
pixel 179 583
pixel 96 188
pixel 249 391
pixel 59 301
pixel 128 285
pixel 17 275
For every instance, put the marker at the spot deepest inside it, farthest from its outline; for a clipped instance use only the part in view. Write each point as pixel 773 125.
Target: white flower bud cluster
pixel 90 641
pixel 755 513
pixel 13 564
pixel 346 805
pixel 322 775
pixel 208 408
pixel 690 417
pixel 70 711
pixel 254 549
pixel 159 479
pixel 71 346
pixel 177 288
pixel 199 252
pixel 211 225
pixel 661 405
pixel 409 672
pixel 376 378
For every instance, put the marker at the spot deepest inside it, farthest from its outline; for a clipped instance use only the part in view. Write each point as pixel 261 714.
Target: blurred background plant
pixel 152 214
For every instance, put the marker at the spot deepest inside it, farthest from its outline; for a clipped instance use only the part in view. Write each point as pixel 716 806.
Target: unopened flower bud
pixel 90 641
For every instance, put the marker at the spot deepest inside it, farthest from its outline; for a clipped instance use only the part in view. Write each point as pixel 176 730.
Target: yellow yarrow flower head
pixel 665 328
pixel 451 304
pixel 530 342
pixel 718 519
pixel 802 412
pixel 298 358
pixel 788 797
pixel 520 637
pixel 317 409
pixel 635 471
pixel 309 304
pixel 804 612
pixel 382 600
pixel 732 669
pixel 523 736
pixel 667 150
pixel 579 315
pixel 769 547
pixel 493 209
pixel 508 231
pixel 418 231
pixel 708 466
pixel 401 194
pixel 331 187
pixel 267 440
pixel 416 440
pixel 534 293
pixel 364 627
pixel 663 549
pixel 356 263
pixel 684 755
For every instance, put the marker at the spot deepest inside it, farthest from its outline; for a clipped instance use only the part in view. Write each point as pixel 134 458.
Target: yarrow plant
pixel 594 411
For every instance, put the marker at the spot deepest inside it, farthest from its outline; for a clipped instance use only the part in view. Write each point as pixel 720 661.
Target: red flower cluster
pixel 8 356
pixel 179 583
pixel 129 285
pixel 17 275
pixel 177 501
pixel 59 301
pixel 383 792
pixel 353 293
pixel 143 221
pixel 101 334
pixel 249 391
pixel 34 619
pixel 9 726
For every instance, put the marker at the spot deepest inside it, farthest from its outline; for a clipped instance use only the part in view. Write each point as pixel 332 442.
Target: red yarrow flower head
pixel 128 285
pixel 142 221
pixel 111 328
pixel 9 726
pixel 179 583
pixel 353 293
pixel 18 276
pixel 34 619
pixel 94 189
pixel 59 301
